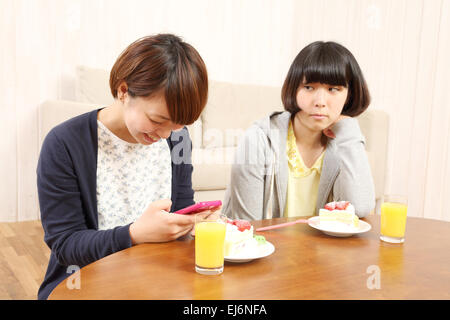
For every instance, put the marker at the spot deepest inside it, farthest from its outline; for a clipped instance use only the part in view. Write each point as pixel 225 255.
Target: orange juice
pixel 393 219
pixel 209 242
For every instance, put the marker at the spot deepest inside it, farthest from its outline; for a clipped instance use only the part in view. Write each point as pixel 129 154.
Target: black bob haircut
pixel 327 63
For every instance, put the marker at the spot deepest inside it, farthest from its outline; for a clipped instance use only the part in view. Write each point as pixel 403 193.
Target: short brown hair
pixel 164 62
pixel 327 63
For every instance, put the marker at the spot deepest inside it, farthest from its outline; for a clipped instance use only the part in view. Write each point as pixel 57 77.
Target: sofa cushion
pixel 374 125
pixel 209 195
pixel 212 167
pixel 232 108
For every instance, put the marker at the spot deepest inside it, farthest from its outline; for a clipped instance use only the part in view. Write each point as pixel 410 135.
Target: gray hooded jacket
pixel 259 174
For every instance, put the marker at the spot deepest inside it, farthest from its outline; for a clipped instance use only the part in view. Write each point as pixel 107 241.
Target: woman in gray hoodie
pixel 292 163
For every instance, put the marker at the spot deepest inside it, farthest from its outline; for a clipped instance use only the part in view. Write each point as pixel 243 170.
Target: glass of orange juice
pixel 393 218
pixel 209 243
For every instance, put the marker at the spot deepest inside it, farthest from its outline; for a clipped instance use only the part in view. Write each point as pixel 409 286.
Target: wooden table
pixel 306 264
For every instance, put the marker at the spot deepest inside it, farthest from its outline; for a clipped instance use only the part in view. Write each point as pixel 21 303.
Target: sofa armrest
pixel 54 112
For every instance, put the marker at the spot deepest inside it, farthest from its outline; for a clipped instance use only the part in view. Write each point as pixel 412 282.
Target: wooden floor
pixel 23 259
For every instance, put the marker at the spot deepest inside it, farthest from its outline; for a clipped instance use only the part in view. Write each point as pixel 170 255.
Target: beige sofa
pixel 231 109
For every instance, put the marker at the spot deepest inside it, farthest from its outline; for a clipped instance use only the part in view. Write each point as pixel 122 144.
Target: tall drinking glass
pixel 209 243
pixel 393 218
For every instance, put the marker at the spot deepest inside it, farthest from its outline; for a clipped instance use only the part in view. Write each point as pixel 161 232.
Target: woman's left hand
pixel 329 131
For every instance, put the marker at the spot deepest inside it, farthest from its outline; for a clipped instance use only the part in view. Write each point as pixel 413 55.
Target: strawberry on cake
pixel 339 215
pixel 239 239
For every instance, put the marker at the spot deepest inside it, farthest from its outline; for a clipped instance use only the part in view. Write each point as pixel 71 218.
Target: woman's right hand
pixel 329 131
pixel 157 224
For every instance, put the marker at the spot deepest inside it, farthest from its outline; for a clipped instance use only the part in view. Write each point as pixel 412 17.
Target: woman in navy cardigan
pixel 105 177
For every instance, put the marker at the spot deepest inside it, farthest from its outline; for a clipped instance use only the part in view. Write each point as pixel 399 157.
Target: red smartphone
pixel 200 206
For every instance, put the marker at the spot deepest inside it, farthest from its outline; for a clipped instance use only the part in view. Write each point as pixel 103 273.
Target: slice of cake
pixel 339 215
pixel 240 240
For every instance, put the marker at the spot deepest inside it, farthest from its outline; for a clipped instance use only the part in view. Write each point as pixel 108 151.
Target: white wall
pixel 402 47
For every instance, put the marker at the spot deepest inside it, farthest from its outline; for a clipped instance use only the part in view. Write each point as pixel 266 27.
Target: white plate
pixel 362 227
pixel 263 252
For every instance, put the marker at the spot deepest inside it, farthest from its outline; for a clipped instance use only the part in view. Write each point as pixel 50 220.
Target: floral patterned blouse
pixel 129 177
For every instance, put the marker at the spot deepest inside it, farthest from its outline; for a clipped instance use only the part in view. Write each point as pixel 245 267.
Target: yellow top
pixel 303 182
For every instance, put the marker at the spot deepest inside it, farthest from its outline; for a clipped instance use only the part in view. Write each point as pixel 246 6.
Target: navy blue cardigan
pixel 66 181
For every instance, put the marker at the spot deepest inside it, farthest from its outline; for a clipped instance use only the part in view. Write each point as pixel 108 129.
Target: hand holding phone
pixel 200 207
